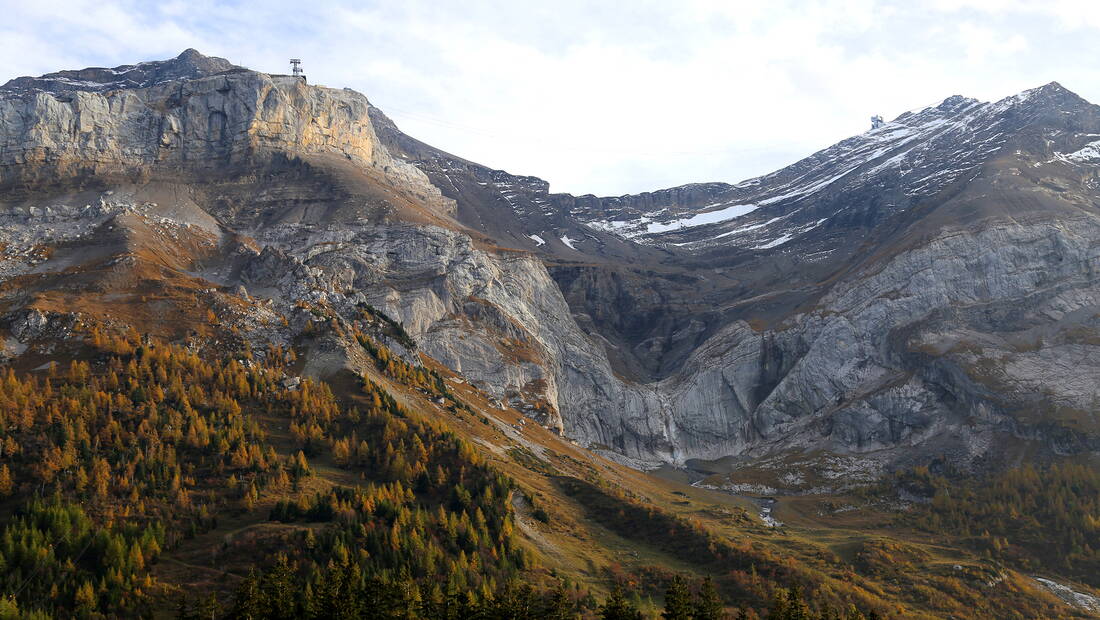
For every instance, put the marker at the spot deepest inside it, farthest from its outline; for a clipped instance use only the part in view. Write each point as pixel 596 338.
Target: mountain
pixel 871 299
pixel 913 310
pixel 909 286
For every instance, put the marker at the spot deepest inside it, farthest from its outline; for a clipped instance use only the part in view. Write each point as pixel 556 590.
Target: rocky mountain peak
pixel 956 103
pixel 188 65
pixel 1050 98
pixel 1050 90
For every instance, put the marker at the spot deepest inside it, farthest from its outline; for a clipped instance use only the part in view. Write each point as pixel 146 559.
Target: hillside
pixel 268 356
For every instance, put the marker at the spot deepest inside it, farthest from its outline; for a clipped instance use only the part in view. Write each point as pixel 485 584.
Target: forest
pixel 1030 517
pixel 137 446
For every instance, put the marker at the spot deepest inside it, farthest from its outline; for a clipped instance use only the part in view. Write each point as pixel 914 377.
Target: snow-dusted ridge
pixel 920 153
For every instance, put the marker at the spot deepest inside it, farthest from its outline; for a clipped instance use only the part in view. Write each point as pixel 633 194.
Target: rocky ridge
pixel 188 65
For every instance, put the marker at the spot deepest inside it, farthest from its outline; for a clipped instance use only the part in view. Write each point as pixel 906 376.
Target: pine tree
pixel 708 605
pixel 85 598
pixel 558 606
pixel 678 604
pixel 5 480
pixel 616 607
pixel 789 605
pixel 780 606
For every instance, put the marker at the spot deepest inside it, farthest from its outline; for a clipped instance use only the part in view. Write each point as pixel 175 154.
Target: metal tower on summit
pixel 296 68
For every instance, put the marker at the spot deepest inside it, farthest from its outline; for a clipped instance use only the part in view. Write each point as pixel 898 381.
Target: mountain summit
pixel 188 65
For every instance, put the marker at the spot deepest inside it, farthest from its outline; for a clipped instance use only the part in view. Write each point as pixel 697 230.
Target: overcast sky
pixel 602 97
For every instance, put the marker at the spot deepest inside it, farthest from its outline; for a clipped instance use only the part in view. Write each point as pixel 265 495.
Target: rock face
pixel 193 113
pixel 922 350
pixel 929 287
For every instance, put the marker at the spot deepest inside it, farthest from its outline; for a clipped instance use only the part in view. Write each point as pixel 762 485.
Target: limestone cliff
pixel 210 120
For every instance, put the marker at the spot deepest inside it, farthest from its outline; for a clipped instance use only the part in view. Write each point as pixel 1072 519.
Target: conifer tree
pixel 708 604
pixel 616 607
pixel 558 606
pixel 5 481
pixel 678 603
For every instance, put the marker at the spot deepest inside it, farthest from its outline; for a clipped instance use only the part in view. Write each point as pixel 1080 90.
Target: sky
pixel 602 97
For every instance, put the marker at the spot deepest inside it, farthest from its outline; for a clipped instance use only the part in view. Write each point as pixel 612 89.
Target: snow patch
pixel 774 242
pixel 569 242
pixel 647 225
pixel 1080 600
pixel 538 240
pixel 1090 153
pixel 700 219
pixel 745 229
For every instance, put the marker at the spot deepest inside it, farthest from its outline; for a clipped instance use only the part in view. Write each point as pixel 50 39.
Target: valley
pixel 265 355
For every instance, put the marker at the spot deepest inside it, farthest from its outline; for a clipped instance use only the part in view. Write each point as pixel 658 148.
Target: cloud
pixel 982 42
pixel 600 97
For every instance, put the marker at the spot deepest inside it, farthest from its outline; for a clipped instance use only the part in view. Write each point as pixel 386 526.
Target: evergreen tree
pixel 616 607
pixel 678 603
pixel 780 605
pixel 5 480
pixel 708 604
pixel 789 605
pixel 558 606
